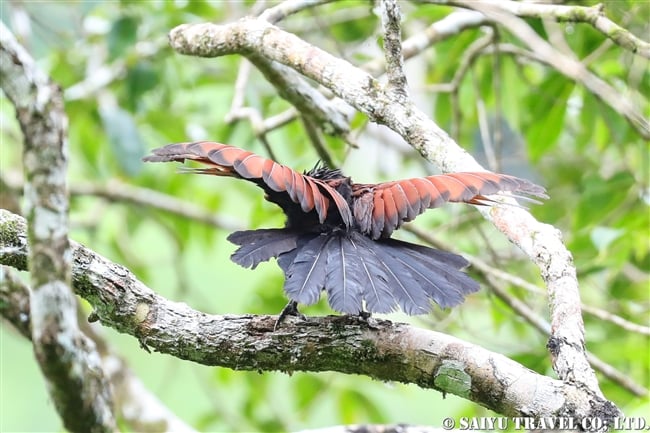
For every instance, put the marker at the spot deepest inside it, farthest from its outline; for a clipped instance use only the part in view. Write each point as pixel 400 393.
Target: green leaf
pixel 122 36
pixel 601 197
pixel 602 237
pixel 124 138
pixel 356 407
pixel 547 105
pixel 141 78
pixel 308 387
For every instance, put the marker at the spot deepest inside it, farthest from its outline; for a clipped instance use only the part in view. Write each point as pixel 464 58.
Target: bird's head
pixel 323 172
pixel 332 177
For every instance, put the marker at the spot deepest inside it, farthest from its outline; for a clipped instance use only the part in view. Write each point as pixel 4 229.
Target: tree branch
pixel 450 25
pixel 66 357
pixel 379 349
pixel 119 191
pixel 397 85
pixel 138 407
pixel 594 15
pixel 289 7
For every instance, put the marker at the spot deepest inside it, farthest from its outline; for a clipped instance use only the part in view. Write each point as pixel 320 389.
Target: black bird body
pixel 337 233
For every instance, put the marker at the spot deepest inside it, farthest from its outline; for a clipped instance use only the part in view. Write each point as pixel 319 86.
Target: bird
pixel 337 234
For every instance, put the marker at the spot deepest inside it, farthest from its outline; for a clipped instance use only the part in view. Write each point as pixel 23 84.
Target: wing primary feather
pixel 225 155
pixel 391 219
pixel 451 189
pixel 273 177
pixel 298 187
pixel 377 215
pixel 250 167
pixel 412 199
pixel 402 204
pixel 307 198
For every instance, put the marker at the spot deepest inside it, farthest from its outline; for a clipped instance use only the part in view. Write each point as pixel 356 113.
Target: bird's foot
pixel 365 315
pixel 366 318
pixel 291 309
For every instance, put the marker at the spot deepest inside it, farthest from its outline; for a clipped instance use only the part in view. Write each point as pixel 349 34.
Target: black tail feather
pixel 377 277
pixel 305 276
pixel 344 276
pixel 358 272
pixel 404 289
pixel 260 245
pixel 437 272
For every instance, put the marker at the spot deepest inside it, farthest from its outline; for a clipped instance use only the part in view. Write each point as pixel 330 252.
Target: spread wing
pixel 292 191
pixel 380 209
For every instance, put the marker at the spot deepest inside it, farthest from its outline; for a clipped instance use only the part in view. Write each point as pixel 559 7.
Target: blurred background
pixel 126 92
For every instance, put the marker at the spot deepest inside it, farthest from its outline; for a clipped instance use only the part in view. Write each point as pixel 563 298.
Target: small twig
pixel 317 142
pixel 616 320
pixel 240 90
pixel 484 128
pixel 495 151
pixel 267 145
pixel 352 12
pixel 118 191
pixel 102 75
pixel 470 55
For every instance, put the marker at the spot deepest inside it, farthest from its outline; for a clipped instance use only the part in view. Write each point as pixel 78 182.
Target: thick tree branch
pixel 307 99
pixel 541 242
pixel 138 407
pixel 379 349
pixel 66 357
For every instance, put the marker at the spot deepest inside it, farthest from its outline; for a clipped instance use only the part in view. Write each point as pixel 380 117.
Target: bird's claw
pixel 291 309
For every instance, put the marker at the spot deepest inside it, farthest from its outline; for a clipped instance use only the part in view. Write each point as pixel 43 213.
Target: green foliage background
pixel 592 162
